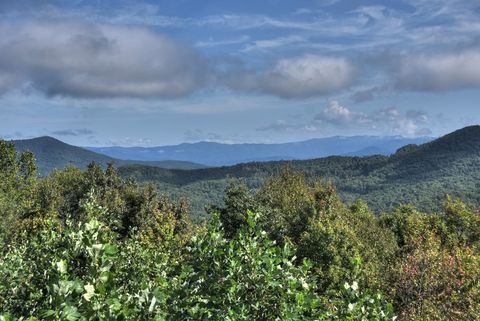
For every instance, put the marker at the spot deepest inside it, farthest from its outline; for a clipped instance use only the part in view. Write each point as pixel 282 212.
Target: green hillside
pixel 52 153
pixel 421 175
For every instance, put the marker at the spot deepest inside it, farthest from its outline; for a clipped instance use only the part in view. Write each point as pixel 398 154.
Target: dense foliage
pixel 90 245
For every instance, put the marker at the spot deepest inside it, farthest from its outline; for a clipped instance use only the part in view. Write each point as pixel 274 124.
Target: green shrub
pixel 84 271
pixel 246 278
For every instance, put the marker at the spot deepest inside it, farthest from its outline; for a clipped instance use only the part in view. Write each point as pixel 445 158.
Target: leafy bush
pixel 433 283
pixel 247 278
pixel 84 271
pixel 81 271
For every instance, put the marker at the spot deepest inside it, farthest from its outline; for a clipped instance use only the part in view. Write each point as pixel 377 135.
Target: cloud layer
pixel 86 60
pixel 79 59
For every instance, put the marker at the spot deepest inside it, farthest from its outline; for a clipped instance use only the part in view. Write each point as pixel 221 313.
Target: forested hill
pixel 52 153
pixel 421 175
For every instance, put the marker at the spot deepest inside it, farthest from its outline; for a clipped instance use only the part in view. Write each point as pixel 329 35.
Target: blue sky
pixel 163 72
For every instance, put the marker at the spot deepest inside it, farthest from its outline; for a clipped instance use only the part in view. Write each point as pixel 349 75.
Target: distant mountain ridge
pixel 217 154
pixel 52 153
pixel 418 174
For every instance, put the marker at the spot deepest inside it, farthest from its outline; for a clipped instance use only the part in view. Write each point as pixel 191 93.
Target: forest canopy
pixel 91 245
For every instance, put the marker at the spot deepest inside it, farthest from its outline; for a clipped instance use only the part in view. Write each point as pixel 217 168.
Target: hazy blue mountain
pixel 52 154
pixel 216 154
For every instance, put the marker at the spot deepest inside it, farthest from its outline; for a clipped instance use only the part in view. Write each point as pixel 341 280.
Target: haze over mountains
pixel 217 154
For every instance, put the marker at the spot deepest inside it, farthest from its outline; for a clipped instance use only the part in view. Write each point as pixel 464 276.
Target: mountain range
pixel 217 154
pixel 422 175
pixel 52 153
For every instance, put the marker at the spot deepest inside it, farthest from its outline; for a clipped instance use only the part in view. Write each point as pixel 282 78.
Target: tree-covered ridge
pixel 52 154
pixel 89 245
pixel 421 175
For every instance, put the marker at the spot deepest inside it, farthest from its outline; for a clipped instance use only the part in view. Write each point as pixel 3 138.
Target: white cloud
pixel 102 58
pixel 389 119
pixel 282 126
pixel 78 59
pixel 336 114
pixel 308 76
pixel 440 72
pixel 299 77
pixel 382 121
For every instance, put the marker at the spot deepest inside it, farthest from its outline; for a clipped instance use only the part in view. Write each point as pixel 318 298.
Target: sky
pixel 149 73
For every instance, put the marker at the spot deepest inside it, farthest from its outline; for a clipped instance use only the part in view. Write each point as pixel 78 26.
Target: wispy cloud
pixel 125 141
pixel 15 135
pixel 199 135
pixel 274 43
pixel 73 132
pixel 225 42
pixel 282 126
